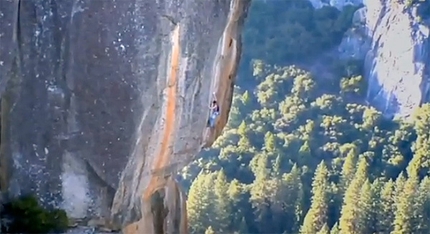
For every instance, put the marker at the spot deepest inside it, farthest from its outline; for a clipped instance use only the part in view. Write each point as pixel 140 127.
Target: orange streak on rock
pixel 163 158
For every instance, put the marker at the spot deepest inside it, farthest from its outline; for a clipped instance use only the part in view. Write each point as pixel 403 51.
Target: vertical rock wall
pixel 106 99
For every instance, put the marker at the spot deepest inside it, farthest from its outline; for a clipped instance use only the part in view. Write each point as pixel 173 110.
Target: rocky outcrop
pixel 396 65
pixel 356 42
pixel 106 99
pixel 393 39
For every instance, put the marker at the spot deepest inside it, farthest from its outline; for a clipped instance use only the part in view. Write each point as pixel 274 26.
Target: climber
pixel 214 107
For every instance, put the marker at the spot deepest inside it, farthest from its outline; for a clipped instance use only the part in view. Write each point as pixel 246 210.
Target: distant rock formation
pixel 393 38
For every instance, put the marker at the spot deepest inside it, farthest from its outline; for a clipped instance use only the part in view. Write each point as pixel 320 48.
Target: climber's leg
pixel 213 118
pixel 212 121
pixel 209 124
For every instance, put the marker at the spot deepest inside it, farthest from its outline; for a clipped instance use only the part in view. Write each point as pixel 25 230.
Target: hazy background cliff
pixel 393 38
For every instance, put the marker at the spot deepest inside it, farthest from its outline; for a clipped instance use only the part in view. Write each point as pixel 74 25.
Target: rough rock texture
pixel 356 43
pixel 396 65
pixel 394 42
pixel 106 99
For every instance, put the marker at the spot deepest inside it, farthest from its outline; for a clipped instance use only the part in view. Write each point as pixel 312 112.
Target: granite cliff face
pixel 397 64
pixel 103 100
pixel 392 36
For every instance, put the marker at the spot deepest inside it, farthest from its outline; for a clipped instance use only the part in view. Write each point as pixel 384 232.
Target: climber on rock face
pixel 214 108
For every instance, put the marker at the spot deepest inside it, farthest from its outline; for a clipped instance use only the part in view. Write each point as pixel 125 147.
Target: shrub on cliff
pixel 27 216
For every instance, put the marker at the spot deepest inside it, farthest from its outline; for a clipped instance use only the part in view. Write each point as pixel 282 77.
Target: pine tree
pixel 262 190
pixel 335 200
pixel 348 222
pixel 277 166
pixel 243 145
pixel 223 206
pixel 403 220
pixel 421 160
pixel 316 217
pixel 245 98
pixel 335 229
pixel 199 204
pixel 346 176
pixel 324 230
pixel 385 208
pixel 422 207
pixel 348 170
pixel 237 195
pixel 292 196
pixel 400 183
pixel 210 230
pixel 365 209
pixel 269 142
pixel 242 129
pixel 305 151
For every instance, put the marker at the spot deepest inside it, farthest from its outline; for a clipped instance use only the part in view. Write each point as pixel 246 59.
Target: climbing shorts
pixel 215 114
pixel 212 118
